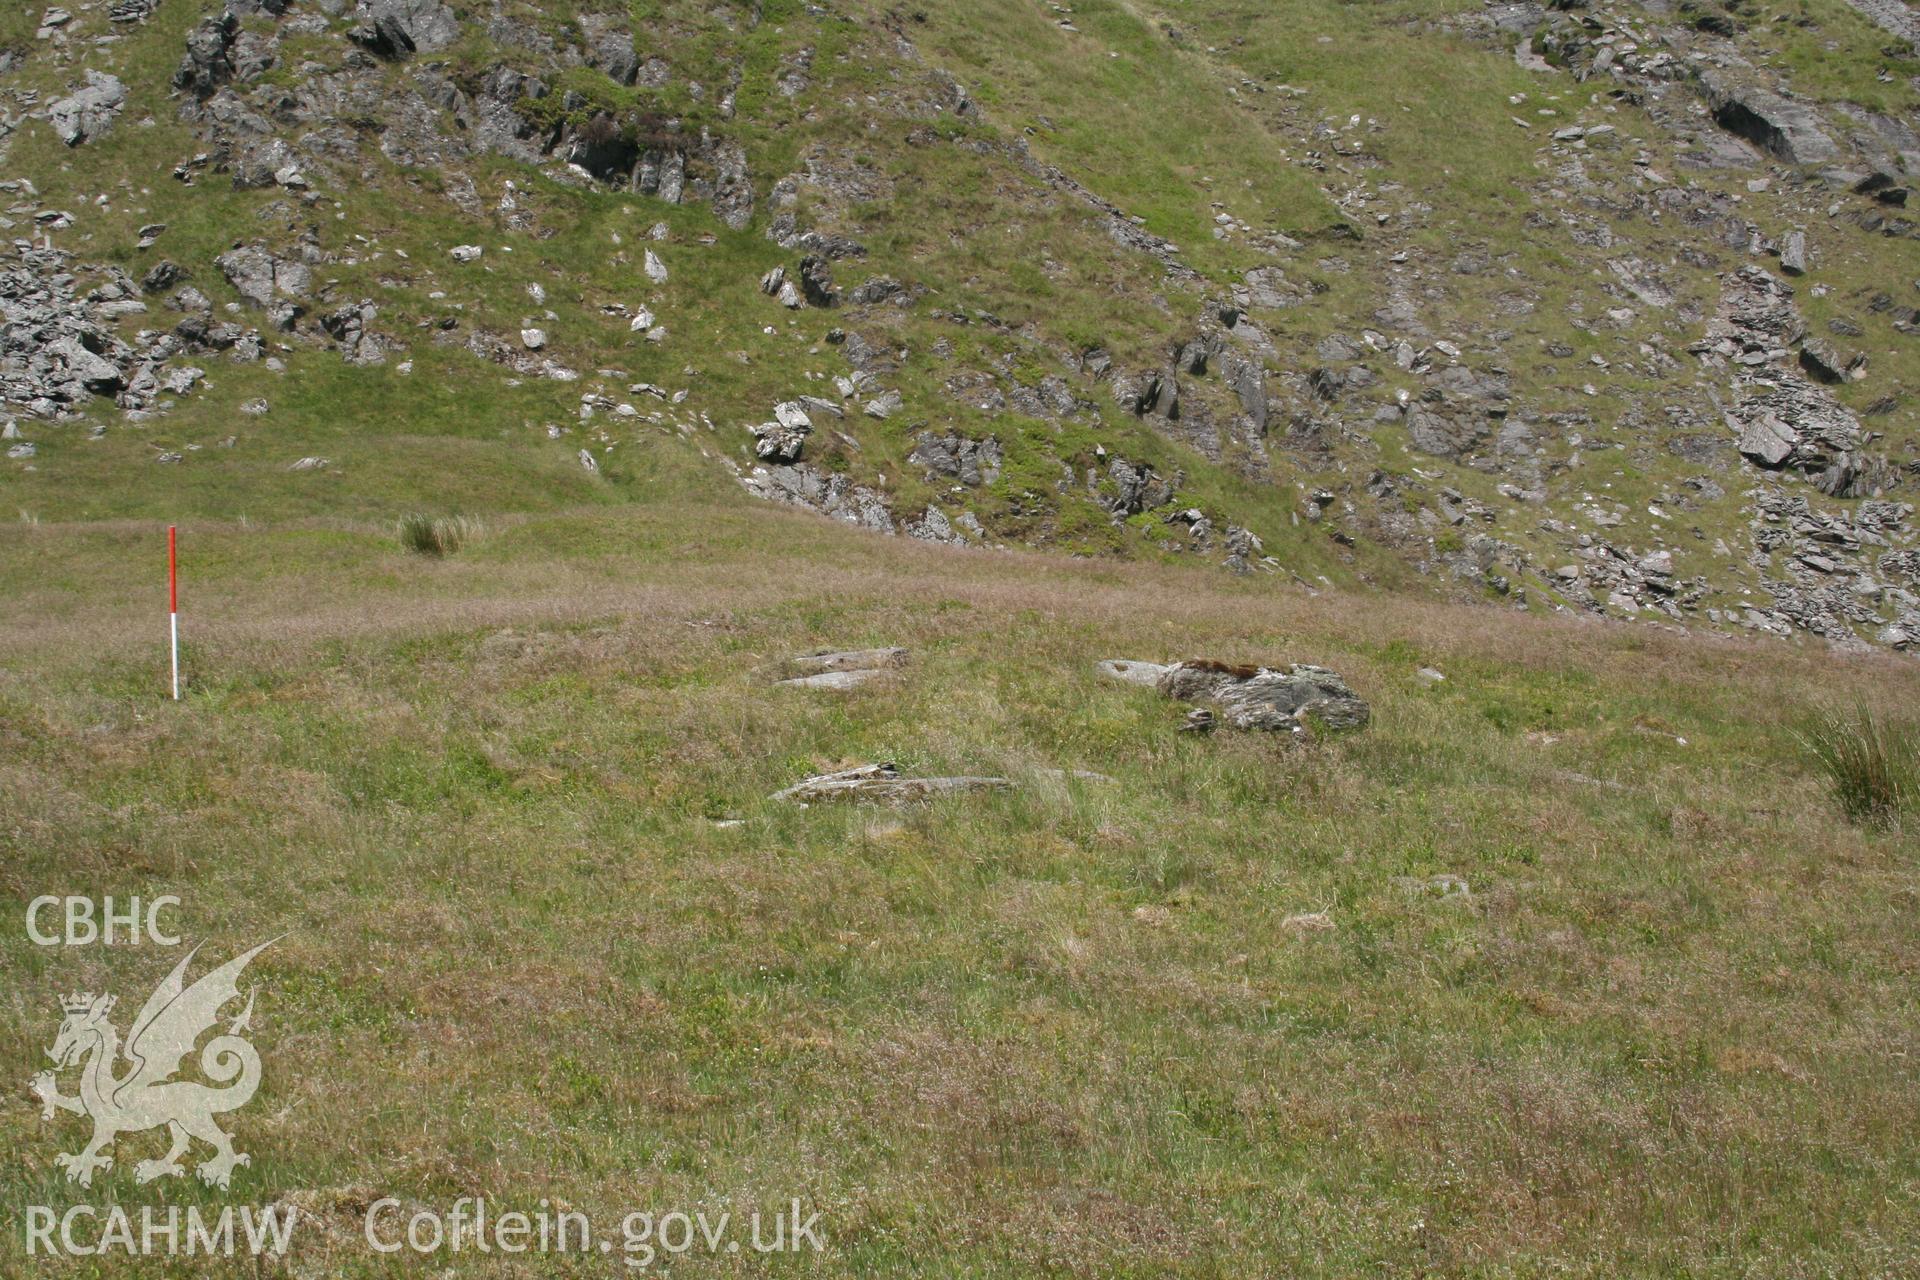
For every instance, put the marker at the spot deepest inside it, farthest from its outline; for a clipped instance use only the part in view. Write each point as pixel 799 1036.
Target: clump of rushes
pixel 438 535
pixel 1871 764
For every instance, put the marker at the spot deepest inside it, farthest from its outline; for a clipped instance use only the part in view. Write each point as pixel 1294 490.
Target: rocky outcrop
pixel 954 457
pixel 1783 419
pixel 59 350
pixel 806 485
pixel 208 63
pixel 351 327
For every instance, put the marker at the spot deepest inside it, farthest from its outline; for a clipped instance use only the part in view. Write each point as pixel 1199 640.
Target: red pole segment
pixel 173 605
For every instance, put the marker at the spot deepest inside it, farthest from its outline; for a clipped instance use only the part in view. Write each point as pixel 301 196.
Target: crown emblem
pixel 81 1001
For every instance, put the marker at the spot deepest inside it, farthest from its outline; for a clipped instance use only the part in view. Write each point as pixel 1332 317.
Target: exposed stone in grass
pixel 1131 671
pixel 1251 697
pixel 837 680
pixel 1440 886
pixel 352 327
pixel 884 784
pixel 852 659
pixel 845 669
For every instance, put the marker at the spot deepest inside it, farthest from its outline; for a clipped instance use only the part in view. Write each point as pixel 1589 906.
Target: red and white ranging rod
pixel 173 604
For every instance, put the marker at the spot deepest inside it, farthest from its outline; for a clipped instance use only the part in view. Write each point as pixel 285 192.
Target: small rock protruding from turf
pixel 844 669
pixel 883 784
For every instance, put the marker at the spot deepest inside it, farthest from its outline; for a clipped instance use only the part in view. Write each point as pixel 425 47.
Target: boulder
pixel 1249 697
pixel 398 28
pixel 1784 129
pixel 1793 254
pixel 610 47
pixel 778 442
pixel 816 281
pixel 1766 441
pixel 259 276
pixel 209 60
pixel 352 327
pixel 89 111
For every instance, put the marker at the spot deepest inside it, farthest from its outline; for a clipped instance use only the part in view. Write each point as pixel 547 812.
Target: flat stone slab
pixel 852 660
pixel 883 784
pixel 1131 671
pixel 832 680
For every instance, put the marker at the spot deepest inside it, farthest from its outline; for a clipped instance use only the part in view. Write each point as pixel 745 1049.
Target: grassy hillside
pixel 1205 1015
pixel 1571 962
pixel 1069 198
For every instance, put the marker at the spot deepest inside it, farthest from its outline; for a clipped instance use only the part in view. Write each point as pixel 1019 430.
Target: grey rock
pixel 89 111
pixel 400 28
pixel 779 442
pixel 816 281
pixel 260 277
pixel 836 680
pixel 883 784
pixel 1787 130
pixel 971 462
pixel 878 289
pixel 610 47
pixel 162 277
pixel 209 61
pixel 1267 699
pixel 352 327
pixel 851 660
pixel 805 485
pixel 1793 254
pixel 1132 671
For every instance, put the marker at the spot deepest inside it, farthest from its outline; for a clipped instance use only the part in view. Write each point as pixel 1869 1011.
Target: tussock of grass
pixel 438 535
pixel 1872 764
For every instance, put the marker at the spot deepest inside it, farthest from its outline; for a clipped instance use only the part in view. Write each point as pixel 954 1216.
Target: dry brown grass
pixel 1064 1029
